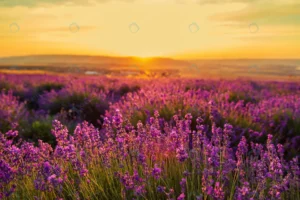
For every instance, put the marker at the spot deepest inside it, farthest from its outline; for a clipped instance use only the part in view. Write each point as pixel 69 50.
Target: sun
pixel 144 59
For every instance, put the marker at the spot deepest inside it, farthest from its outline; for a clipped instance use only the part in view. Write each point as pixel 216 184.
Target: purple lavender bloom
pixel 139 190
pixel 127 181
pixel 12 133
pixel 181 197
pixel 181 154
pixel 280 150
pixel 47 167
pixel 161 189
pixel 156 172
pixel 186 173
pixel 244 191
pixel 218 191
pixel 141 158
pixel 183 185
pixel 242 147
pixel 6 172
pixel 156 114
pixel 49 177
pixel 200 197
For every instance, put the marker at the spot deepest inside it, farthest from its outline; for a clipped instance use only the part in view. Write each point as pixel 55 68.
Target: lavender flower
pixel 156 172
pixel 181 154
pixel 181 197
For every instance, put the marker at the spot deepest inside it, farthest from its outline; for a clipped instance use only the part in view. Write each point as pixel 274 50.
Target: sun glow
pixel 146 30
pixel 143 60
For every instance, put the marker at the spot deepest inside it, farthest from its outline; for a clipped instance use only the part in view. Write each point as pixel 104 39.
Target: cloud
pixel 246 1
pixel 274 13
pixel 224 1
pixel 34 3
pixel 67 29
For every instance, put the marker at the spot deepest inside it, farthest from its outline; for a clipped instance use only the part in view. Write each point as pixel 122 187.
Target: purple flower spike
pixel 181 197
pixel 156 172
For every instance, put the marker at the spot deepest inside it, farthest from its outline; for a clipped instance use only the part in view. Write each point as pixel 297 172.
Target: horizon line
pixel 146 58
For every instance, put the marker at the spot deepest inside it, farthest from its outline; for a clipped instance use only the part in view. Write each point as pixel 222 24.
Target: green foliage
pixel 124 89
pixel 235 97
pixel 291 129
pixel 198 87
pixel 4 85
pixel 47 87
pixel 255 86
pixel 73 101
pixel 32 101
pixel 102 182
pixel 97 87
pixel 33 98
pixel 4 126
pixel 167 112
pixel 93 109
pixel 79 106
pixel 137 116
pixel 38 130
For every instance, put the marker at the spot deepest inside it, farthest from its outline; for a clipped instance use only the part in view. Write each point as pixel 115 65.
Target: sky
pixel 221 29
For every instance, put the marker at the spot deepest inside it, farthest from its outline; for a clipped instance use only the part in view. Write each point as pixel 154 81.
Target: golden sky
pixel 146 28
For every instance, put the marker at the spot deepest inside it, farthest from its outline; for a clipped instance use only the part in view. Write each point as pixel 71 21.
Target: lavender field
pixel 94 137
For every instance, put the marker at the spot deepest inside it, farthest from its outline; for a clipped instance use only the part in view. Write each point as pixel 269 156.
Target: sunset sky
pixel 147 28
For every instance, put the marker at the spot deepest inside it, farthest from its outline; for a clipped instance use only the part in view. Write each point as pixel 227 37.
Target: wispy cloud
pixel 267 13
pixel 245 1
pixel 34 3
pixel 225 1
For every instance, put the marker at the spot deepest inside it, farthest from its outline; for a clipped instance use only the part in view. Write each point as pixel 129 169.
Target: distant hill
pixel 164 66
pixel 66 60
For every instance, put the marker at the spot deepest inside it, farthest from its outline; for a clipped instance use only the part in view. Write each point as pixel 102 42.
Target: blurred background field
pixel 154 67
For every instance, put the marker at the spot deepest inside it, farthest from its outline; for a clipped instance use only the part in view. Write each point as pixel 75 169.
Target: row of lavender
pixel 254 108
pixel 148 139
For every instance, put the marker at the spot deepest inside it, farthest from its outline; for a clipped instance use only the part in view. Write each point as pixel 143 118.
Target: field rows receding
pixel 94 137
pixel 270 69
